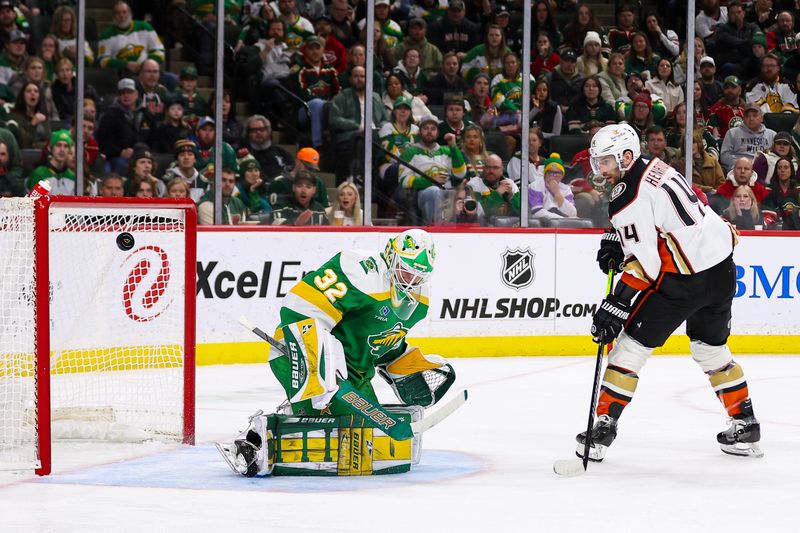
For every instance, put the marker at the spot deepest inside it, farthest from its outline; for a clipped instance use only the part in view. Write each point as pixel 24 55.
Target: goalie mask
pixel 409 257
pixel 614 140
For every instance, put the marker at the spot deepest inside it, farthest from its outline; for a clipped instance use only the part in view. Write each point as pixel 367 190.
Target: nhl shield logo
pixel 518 271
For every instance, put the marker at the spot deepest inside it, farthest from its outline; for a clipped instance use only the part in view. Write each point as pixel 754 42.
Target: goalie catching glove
pixel 417 378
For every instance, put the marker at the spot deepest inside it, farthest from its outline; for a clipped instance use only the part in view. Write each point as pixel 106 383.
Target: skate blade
pixel 227 454
pixel 743 449
pixel 597 452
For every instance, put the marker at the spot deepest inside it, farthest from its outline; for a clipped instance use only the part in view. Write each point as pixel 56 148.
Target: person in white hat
pixel 591 61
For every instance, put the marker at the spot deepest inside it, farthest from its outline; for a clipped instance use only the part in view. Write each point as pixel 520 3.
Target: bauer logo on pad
pixel 518 272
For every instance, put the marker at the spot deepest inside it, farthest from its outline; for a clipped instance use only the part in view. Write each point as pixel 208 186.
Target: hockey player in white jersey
pixel 677 264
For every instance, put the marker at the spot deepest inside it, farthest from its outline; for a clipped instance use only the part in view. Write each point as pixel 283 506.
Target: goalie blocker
pixel 324 445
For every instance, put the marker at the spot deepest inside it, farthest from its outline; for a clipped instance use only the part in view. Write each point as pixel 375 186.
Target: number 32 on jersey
pixel 330 285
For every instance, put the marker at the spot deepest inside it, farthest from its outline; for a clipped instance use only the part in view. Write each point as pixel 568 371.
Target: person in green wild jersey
pixel 350 318
pixel 340 325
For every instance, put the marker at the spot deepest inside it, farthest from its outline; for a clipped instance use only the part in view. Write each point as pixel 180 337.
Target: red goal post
pixel 117 358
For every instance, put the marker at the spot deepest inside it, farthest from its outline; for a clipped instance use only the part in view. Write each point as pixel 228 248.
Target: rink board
pixel 495 292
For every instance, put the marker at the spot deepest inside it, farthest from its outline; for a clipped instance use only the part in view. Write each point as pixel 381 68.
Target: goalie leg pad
pixel 341 445
pixel 628 353
pixel 315 361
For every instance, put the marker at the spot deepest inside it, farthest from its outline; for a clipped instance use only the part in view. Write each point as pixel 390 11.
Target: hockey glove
pixel 609 320
pixel 610 255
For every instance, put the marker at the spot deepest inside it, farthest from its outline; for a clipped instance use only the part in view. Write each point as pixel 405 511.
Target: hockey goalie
pixel 339 326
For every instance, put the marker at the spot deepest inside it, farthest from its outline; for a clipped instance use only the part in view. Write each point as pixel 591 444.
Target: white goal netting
pixel 17 335
pixel 117 323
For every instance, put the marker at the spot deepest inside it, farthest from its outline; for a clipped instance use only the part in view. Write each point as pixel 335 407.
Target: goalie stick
pixel 576 467
pixel 420 426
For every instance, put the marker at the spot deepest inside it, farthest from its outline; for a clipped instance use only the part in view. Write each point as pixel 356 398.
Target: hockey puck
pixel 125 241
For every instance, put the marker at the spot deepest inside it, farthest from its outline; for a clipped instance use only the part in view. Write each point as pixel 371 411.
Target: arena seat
pixel 568 145
pixel 496 143
pixel 781 121
pixel 569 223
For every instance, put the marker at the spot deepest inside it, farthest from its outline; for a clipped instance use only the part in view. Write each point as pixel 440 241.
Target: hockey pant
pixel 703 301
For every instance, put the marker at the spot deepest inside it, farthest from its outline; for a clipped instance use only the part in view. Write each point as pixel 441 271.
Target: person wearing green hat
pixel 550 197
pixel 194 105
pixel 751 62
pixel 250 187
pixel 56 171
pixel 728 111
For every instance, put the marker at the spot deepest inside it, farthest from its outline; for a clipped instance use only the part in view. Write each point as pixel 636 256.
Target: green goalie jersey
pixel 349 295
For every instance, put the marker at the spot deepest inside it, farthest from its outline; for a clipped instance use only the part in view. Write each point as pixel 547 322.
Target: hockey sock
pixel 617 390
pixel 730 387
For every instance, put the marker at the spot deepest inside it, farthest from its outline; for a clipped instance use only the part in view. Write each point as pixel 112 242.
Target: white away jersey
pixel 661 222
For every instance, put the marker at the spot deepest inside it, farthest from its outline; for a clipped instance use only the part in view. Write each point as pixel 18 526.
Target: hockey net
pixel 103 287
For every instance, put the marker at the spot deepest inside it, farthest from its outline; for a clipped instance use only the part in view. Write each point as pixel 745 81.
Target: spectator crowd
pixel 447 100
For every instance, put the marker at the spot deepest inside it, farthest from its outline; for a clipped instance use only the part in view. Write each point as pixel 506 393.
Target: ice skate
pixel 743 435
pixel 246 455
pixel 603 434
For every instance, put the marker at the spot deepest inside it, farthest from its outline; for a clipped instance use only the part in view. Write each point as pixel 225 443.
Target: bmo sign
pixel 767 281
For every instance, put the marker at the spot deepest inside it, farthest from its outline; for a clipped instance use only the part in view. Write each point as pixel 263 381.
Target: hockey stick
pixel 575 467
pixel 260 333
pixel 354 401
pixel 421 426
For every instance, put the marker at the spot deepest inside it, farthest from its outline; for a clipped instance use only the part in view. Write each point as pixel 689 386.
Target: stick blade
pixel 569 467
pixel 243 320
pixel 421 426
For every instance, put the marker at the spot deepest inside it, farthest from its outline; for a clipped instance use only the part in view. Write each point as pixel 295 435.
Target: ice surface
pixel 486 468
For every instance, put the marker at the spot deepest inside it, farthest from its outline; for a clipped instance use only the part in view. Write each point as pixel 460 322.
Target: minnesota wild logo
pixel 130 52
pixel 368 264
pixel 382 342
pixel 409 243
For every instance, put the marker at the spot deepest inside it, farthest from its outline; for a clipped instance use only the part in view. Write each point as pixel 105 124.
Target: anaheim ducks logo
pixel 382 342
pixel 618 189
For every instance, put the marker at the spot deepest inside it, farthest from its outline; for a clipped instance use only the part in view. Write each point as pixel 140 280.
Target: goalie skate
pixel 246 454
pixel 603 434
